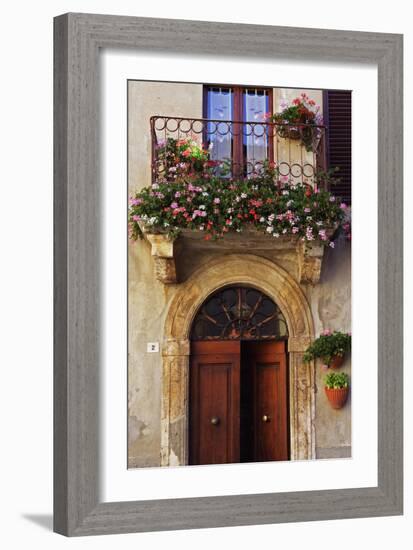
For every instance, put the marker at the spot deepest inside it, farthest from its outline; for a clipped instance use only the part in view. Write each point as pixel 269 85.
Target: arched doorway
pixel 238 379
pixel 276 283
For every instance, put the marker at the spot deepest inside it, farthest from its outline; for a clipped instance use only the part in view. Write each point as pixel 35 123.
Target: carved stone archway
pixel 266 276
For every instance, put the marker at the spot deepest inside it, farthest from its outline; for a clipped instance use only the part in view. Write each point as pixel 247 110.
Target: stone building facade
pixel 169 282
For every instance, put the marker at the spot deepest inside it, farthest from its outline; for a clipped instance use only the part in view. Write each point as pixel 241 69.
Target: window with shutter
pixel 337 116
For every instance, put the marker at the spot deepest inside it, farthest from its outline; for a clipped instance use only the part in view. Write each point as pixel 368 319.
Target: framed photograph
pixel 228 274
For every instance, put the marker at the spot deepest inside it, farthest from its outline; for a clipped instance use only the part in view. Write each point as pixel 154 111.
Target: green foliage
pixel 328 345
pixel 216 206
pixel 336 380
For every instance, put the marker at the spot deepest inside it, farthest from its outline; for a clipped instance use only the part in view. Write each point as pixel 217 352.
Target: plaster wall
pixel 147 297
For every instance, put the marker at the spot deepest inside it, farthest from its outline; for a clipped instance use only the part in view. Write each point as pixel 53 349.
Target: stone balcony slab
pixel 309 256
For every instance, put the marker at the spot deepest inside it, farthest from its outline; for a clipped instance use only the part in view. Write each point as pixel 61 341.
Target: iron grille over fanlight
pixel 239 313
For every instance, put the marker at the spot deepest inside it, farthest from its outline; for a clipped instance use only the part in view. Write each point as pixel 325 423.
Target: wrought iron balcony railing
pixel 236 149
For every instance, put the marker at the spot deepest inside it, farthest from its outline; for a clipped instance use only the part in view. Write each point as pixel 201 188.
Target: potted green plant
pixel 336 387
pixel 330 347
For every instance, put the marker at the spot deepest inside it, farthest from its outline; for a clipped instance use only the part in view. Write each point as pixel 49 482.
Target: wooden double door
pixel 238 403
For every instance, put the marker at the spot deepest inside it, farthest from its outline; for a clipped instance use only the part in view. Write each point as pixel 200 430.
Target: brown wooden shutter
pixel 337 116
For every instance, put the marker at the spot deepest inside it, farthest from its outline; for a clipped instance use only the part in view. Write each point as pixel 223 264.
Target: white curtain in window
pixel 255 140
pixel 220 107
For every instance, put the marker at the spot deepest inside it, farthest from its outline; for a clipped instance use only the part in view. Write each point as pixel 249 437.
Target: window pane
pixel 255 139
pixel 220 107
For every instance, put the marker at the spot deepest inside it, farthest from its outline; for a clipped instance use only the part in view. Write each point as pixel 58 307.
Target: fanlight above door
pixel 239 313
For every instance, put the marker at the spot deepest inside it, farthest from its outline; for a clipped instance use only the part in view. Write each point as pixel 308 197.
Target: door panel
pixel 266 362
pixel 214 402
pixel 238 406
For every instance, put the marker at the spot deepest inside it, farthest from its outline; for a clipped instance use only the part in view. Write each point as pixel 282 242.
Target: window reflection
pixel 220 106
pixel 255 139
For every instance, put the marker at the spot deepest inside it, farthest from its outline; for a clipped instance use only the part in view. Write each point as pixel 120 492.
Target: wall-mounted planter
pixel 337 361
pixel 337 396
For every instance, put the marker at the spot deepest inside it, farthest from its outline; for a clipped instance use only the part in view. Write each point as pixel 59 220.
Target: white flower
pixel 262 219
pixel 204 194
pixel 276 235
pixel 243 195
pixel 270 229
pixel 202 207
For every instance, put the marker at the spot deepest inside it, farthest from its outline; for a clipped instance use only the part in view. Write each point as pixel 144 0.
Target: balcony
pixel 189 149
pixel 239 150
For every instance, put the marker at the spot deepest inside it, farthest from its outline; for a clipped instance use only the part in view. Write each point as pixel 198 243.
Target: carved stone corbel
pixel 162 250
pixel 310 258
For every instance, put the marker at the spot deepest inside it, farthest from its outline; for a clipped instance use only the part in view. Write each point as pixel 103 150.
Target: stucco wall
pixel 148 299
pixel 330 303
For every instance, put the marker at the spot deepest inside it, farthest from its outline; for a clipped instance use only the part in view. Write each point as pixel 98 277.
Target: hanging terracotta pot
pixel 337 396
pixel 337 361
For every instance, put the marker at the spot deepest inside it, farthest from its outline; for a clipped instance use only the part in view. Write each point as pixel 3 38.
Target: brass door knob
pixel 265 418
pixel 215 421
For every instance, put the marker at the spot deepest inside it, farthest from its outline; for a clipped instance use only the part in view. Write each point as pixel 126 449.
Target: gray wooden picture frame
pixel 78 40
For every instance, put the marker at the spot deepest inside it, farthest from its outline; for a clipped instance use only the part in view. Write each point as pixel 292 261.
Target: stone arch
pixel 268 277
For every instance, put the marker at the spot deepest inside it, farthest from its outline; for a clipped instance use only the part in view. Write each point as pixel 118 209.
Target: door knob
pixel 215 421
pixel 265 418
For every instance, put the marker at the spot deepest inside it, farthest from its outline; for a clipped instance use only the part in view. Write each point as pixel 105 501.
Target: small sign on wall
pixel 152 347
